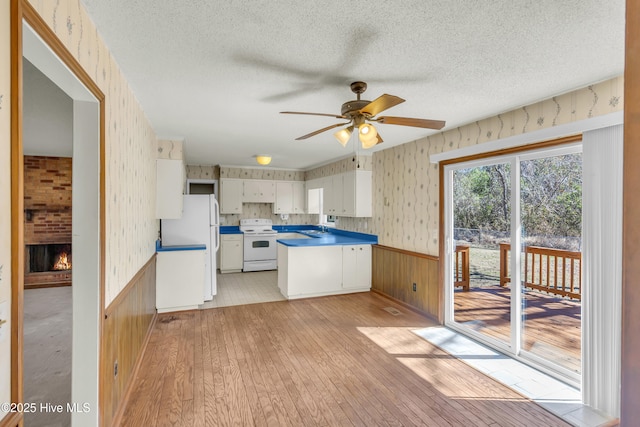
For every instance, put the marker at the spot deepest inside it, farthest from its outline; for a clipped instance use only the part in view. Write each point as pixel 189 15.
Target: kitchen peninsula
pixel 330 262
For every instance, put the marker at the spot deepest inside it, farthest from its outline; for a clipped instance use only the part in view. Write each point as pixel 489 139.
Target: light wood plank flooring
pixel 332 361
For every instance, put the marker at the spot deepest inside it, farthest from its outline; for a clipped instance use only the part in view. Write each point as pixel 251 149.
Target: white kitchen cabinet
pixel 357 194
pixel 179 280
pixel 332 195
pixel 169 186
pixel 356 266
pixel 309 271
pixel 231 196
pixel 259 191
pixel 299 197
pixel 290 197
pixel 284 198
pixel 231 253
pixel 348 194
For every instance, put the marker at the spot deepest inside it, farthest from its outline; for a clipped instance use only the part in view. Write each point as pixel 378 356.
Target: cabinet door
pixel 363 262
pixel 363 200
pixel 259 191
pixel 299 197
pixel 336 182
pixel 284 198
pixel 230 196
pixel 349 267
pixel 356 266
pixel 349 194
pixel 169 185
pixel 231 253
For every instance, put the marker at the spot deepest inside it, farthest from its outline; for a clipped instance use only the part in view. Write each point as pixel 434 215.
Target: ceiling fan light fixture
pixel 343 135
pixel 263 159
pixel 368 135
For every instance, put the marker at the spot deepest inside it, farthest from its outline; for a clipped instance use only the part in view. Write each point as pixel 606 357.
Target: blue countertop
pixel 160 248
pixel 230 229
pixel 332 237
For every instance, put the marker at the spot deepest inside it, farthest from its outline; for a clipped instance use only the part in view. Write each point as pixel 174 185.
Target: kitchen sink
pixel 313 232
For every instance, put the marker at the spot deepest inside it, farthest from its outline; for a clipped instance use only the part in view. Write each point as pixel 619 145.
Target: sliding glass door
pixel 526 302
pixel 481 222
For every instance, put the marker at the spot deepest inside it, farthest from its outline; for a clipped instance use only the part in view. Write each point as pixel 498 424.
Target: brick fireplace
pixel 47 228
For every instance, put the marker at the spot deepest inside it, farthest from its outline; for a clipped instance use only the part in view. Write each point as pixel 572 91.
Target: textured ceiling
pixel 218 73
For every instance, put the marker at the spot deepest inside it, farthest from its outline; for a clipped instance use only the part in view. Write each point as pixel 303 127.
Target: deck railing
pixel 461 269
pixel 551 270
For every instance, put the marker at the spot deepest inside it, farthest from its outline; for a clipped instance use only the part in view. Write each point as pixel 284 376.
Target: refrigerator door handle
pixel 215 211
pixel 217 234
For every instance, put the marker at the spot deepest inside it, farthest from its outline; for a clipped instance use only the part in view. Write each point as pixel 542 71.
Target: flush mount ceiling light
pixel 359 111
pixel 263 159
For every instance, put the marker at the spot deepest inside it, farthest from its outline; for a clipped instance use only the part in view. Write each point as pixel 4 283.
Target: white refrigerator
pixel 200 224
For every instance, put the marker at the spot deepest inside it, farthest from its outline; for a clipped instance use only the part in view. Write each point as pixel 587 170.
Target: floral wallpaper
pixel 405 183
pixel 203 172
pixel 363 162
pixel 270 174
pixel 131 229
pixel 169 149
pixel 265 210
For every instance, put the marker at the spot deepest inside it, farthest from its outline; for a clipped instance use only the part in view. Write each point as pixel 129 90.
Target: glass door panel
pixel 481 224
pixel 551 224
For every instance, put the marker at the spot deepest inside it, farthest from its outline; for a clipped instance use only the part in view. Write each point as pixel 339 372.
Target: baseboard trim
pixel 117 418
pixel 407 306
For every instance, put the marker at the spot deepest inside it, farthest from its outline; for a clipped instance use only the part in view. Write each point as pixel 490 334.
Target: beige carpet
pixel 47 354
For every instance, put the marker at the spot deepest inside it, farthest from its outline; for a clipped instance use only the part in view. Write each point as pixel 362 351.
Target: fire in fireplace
pixel 51 257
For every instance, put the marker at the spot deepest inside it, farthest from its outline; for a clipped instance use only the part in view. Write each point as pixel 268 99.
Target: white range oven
pixel 260 251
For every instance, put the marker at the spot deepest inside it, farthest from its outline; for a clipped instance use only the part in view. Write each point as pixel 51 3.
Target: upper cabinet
pixel 169 185
pixel 290 197
pixel 299 197
pixel 357 197
pixel 259 191
pixel 348 194
pixel 231 196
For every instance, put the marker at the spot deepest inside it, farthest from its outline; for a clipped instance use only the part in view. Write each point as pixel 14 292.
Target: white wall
pixel 47 116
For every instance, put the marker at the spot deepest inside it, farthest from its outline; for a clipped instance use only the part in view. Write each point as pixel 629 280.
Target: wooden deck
pixel 552 324
pixel 333 361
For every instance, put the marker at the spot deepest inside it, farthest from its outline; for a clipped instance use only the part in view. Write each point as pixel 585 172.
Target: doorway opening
pixel 84 234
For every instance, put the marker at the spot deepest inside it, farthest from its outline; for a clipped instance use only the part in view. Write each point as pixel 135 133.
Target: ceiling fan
pixel 359 111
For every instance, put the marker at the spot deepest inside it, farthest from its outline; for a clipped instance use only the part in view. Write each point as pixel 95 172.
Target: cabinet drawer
pixel 231 237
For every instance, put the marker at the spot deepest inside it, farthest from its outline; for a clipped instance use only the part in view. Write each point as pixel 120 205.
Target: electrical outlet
pixel 414 287
pixel 115 369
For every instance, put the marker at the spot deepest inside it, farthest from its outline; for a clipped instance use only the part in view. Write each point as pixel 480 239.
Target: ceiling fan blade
pixel 380 104
pixel 309 135
pixel 380 140
pixel 313 114
pixel 406 121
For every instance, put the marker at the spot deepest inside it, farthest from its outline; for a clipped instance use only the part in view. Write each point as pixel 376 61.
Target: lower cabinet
pixel 231 253
pixel 308 271
pixel 356 266
pixel 179 280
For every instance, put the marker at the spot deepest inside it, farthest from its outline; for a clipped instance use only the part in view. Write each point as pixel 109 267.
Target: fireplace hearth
pixel 47 265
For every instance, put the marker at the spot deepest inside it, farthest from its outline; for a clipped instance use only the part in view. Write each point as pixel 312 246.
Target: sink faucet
pixel 323 228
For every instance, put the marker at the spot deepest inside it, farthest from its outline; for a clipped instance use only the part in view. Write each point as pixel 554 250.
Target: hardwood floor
pixel 331 361
pixel 552 323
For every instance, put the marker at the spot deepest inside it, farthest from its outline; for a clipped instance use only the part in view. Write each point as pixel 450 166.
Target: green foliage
pixel 551 196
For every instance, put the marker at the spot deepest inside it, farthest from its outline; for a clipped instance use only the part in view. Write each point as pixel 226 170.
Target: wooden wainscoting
pixel 396 270
pixel 126 330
